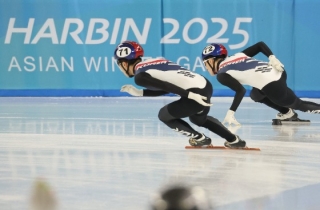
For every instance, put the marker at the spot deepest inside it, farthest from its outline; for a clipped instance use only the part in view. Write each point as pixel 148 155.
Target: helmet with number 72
pixel 128 50
pixel 214 50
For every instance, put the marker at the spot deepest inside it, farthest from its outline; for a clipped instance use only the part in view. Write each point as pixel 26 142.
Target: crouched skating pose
pixel 161 76
pixel 268 79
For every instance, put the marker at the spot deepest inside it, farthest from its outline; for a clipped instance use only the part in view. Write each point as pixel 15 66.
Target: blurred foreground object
pixel 180 197
pixel 42 197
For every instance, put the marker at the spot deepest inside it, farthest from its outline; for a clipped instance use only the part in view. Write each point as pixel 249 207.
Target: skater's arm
pixel 257 48
pixel 262 47
pixel 233 84
pixel 146 80
pixel 147 92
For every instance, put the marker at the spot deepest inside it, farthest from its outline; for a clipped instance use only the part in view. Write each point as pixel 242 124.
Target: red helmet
pixel 214 50
pixel 129 50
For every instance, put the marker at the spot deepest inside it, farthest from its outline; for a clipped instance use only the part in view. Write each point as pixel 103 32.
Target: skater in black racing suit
pixel 269 80
pixel 159 77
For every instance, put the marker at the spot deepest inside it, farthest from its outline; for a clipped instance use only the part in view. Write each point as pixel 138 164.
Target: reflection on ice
pixel 99 153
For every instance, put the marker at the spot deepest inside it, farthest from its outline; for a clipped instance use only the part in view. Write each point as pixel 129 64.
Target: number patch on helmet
pixel 123 52
pixel 208 49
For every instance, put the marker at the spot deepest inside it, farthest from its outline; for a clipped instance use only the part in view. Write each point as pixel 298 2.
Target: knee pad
pixel 256 95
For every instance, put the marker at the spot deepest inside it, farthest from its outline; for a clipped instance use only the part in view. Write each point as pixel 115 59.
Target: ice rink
pixel 114 153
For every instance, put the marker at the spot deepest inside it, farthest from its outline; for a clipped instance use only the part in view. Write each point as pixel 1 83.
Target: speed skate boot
pixel 289 116
pixel 200 141
pixel 238 143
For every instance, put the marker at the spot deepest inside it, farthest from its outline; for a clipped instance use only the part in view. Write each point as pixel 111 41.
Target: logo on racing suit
pixel 263 69
pixel 186 73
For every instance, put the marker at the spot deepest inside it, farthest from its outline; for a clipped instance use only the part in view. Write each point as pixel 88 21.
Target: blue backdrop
pixel 65 48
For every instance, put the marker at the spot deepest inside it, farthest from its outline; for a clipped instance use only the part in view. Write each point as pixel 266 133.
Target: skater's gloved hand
pixel 198 98
pixel 275 63
pixel 131 90
pixel 230 119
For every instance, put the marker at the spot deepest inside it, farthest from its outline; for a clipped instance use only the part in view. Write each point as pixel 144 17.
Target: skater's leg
pixel 215 126
pixel 258 96
pixel 306 106
pixel 279 93
pixel 288 99
pixel 212 124
pixel 172 113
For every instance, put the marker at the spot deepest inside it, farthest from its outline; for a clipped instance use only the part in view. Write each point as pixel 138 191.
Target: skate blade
pixel 295 121
pixel 221 147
